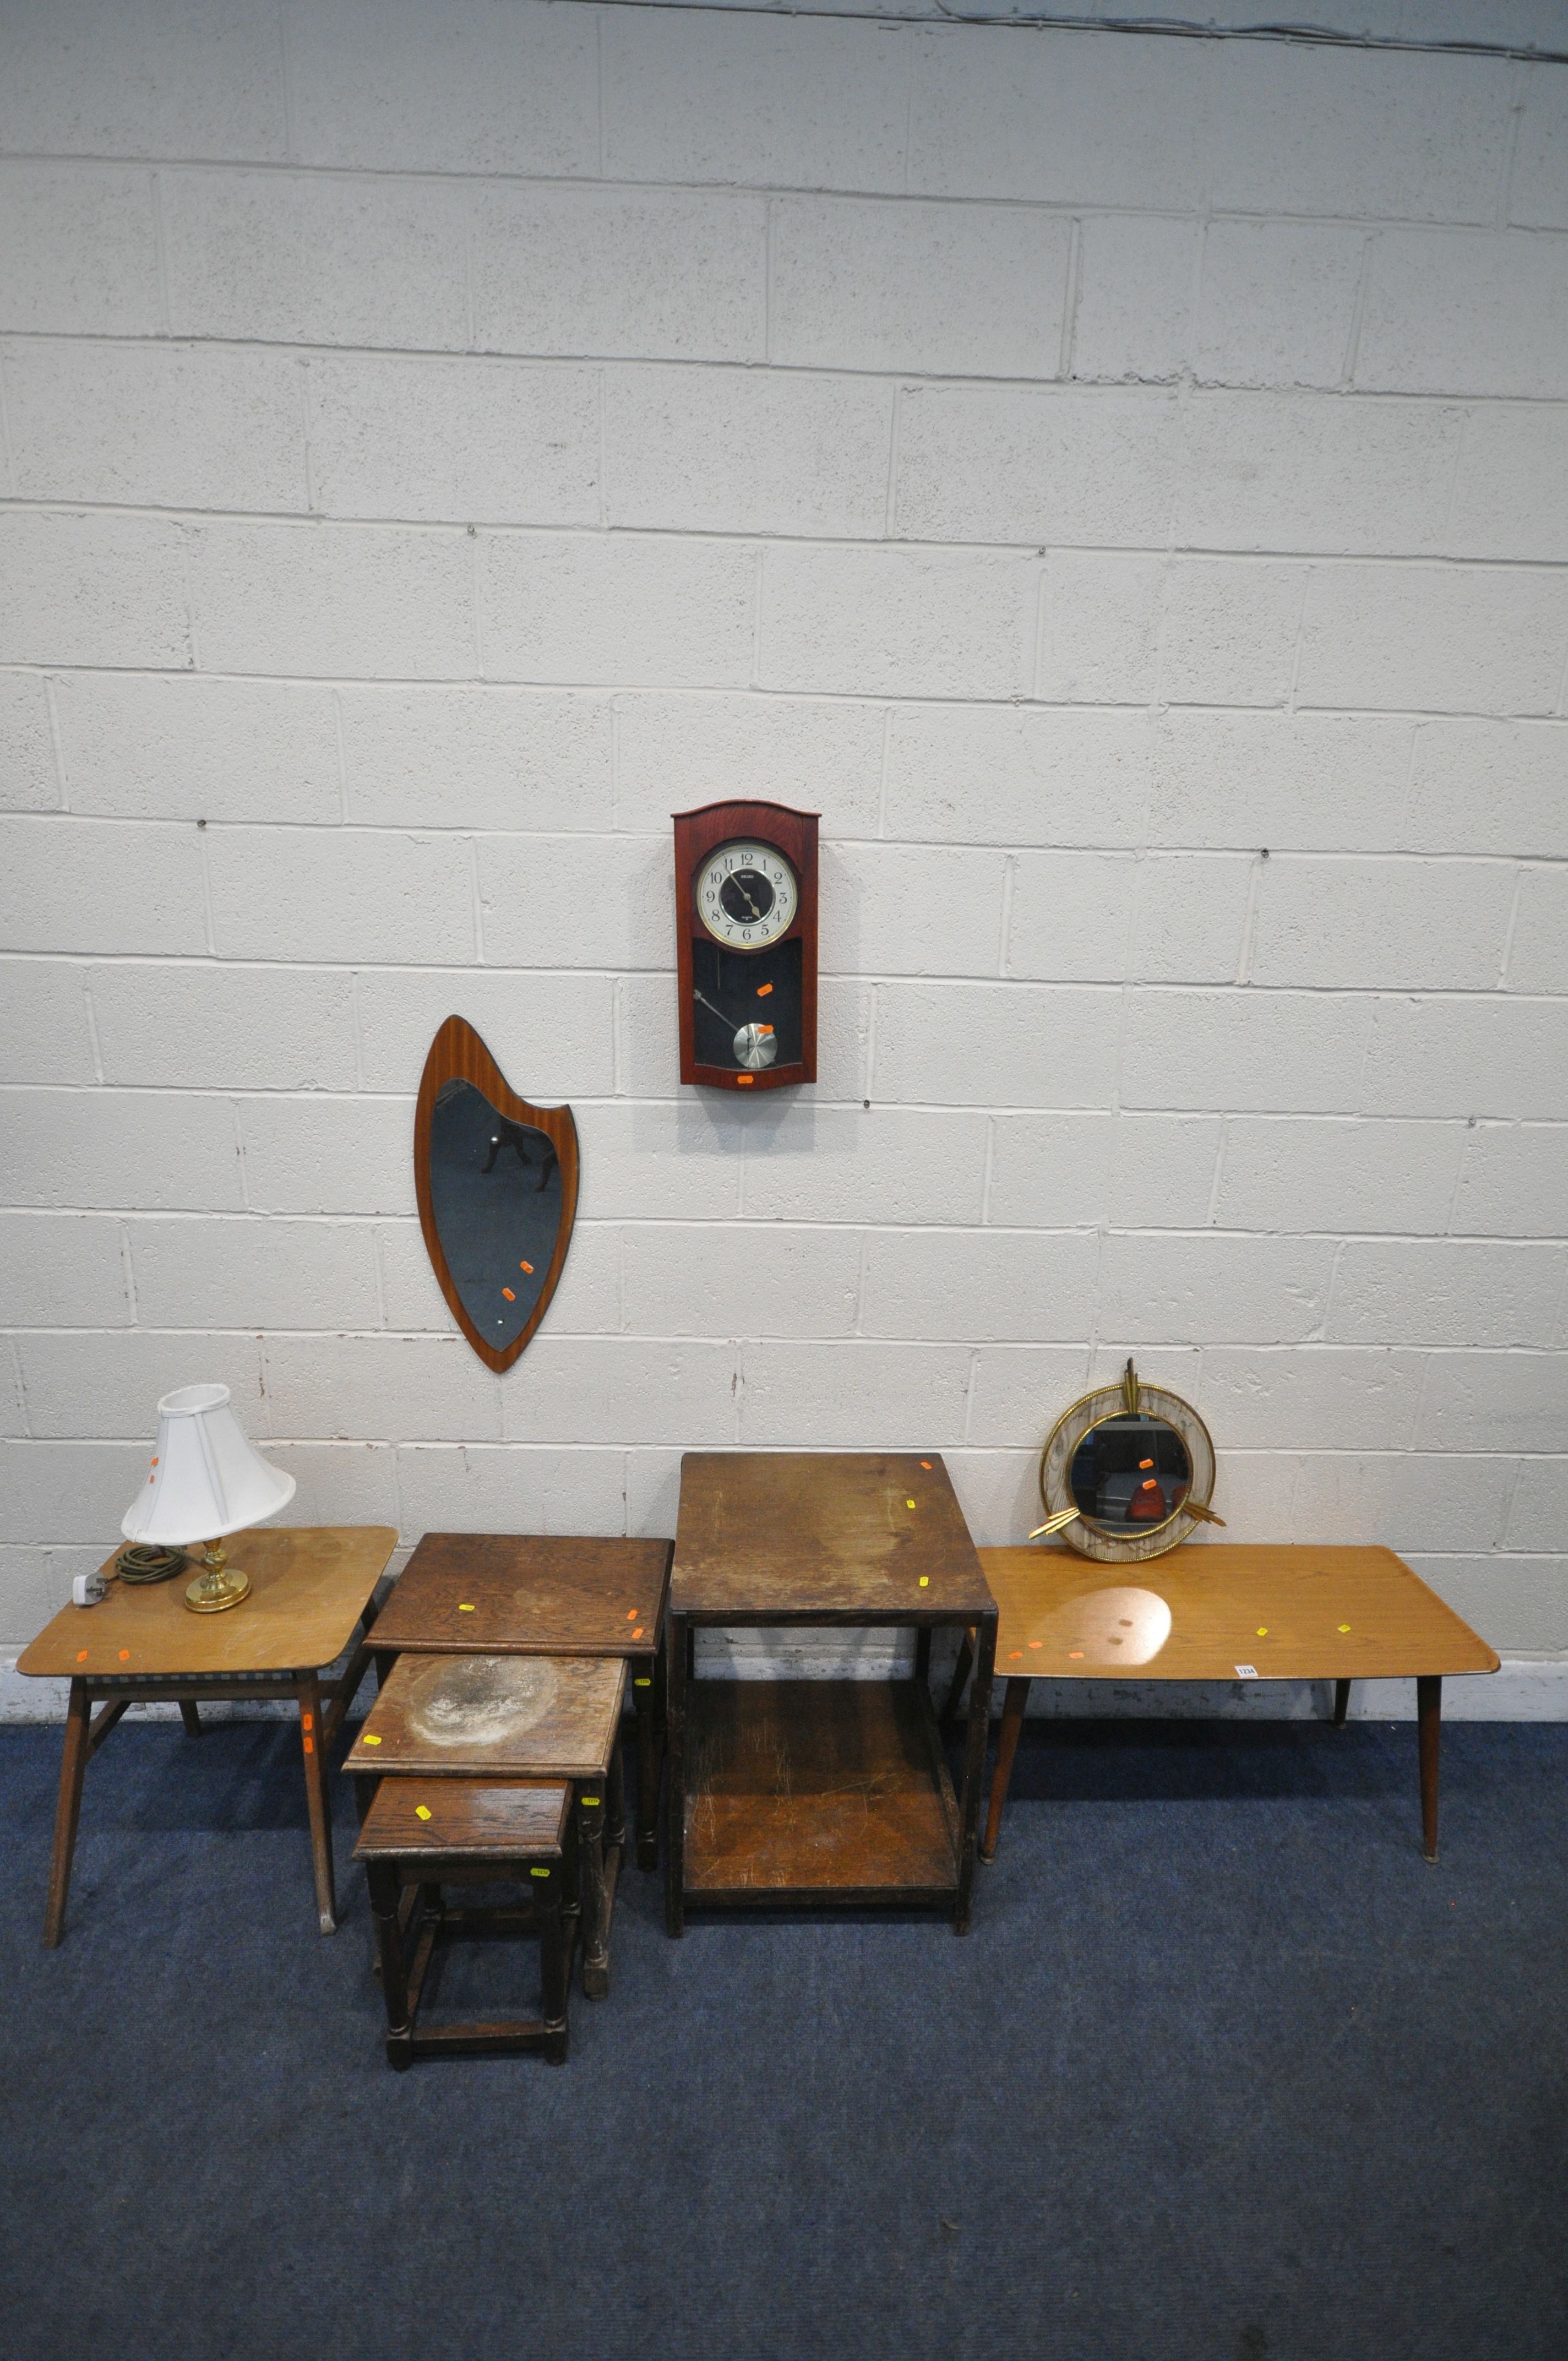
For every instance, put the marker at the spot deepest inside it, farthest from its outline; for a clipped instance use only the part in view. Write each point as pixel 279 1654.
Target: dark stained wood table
pixel 513 1717
pixel 422 1834
pixel 819 1792
pixel 1225 1611
pixel 539 1595
pixel 311 1587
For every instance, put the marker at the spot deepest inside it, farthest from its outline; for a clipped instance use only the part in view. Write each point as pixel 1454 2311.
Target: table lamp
pixel 205 1480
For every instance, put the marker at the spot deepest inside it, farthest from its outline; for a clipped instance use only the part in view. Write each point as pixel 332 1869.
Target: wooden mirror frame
pixel 457 1054
pixel 1125 1398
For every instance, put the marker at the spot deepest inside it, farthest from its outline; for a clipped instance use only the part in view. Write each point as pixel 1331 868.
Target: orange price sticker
pixel 310 1746
pixel 632 1613
pixel 924 1463
pixel 1037 1644
pixel 125 1655
pixel 763 990
pixel 528 1266
pixel 510 1296
pixel 744 1082
pixel 638 1633
pixel 1013 1654
pixel 82 1655
pixel 1075 1656
pixel 307 1722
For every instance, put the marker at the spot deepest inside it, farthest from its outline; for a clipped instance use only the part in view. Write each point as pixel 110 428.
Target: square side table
pixel 819 1792
pixel 545 1594
pixel 312 1587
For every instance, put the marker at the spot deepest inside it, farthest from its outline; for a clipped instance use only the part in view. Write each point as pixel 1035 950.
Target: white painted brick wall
pixel 441 440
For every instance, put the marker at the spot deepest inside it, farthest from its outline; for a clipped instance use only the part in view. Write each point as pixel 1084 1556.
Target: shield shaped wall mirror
pixel 497 1180
pixel 1127 1473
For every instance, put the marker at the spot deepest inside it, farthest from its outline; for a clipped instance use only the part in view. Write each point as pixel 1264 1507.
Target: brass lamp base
pixel 218 1585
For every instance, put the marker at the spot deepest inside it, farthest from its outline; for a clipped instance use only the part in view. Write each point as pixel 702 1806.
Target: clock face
pixel 747 896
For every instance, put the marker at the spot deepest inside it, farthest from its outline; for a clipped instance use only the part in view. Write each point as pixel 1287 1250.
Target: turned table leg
pixel 595 1891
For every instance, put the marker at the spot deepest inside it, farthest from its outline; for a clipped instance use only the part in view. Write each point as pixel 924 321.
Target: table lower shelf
pixel 814 1792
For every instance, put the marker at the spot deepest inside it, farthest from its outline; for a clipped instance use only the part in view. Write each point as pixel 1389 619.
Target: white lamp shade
pixel 205 1478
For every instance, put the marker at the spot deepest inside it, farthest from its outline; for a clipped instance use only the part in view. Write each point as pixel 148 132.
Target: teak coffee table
pixel 815 1791
pixel 1225 1611
pixel 310 1588
pixel 542 1595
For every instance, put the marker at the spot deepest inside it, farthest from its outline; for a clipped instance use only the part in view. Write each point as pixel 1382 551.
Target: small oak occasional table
pixel 819 1792
pixel 537 1595
pixel 486 1717
pixel 312 1587
pixel 422 1834
pixel 1226 1611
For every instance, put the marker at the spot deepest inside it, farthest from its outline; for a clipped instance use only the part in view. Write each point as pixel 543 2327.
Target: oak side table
pixel 819 1792
pixel 1225 1611
pixel 422 1834
pixel 310 1589
pixel 470 1719
pixel 538 1595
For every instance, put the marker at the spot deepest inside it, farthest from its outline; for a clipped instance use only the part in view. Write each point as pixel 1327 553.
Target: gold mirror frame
pixel 1126 1399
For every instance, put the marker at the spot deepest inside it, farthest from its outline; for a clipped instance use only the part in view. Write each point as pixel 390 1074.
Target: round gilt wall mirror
pixel 1127 1472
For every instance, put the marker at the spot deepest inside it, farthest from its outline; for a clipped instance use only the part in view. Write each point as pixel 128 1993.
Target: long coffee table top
pixel 1291 1612
pixel 823 1536
pixel 309 1586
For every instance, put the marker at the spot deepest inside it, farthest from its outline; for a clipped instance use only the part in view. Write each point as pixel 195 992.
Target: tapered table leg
pixel 1429 1716
pixel 317 1800
pixel 190 1717
pixel 67 1811
pixel 1342 1703
pixel 1013 1704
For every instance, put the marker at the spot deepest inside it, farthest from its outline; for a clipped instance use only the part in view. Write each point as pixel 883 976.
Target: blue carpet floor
pixel 1224 2072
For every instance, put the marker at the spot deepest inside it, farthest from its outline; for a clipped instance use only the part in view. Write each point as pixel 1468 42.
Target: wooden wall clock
pixel 746 945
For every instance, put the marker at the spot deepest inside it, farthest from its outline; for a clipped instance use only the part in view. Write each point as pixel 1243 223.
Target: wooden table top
pixel 309 1585
pixel 1294 1611
pixel 504 1819
pixel 538 1717
pixel 823 1537
pixel 527 1595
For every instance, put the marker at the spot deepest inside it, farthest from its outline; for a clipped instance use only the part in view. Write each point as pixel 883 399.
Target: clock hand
pixel 719 1012
pixel 747 899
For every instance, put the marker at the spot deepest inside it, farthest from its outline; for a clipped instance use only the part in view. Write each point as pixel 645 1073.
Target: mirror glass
pixel 1130 1473
pixel 495 1188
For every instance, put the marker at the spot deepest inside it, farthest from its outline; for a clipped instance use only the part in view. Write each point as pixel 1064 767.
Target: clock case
pixel 698 835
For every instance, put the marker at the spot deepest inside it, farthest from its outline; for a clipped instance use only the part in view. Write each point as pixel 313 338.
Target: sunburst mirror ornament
pixel 497 1180
pixel 1127 1473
